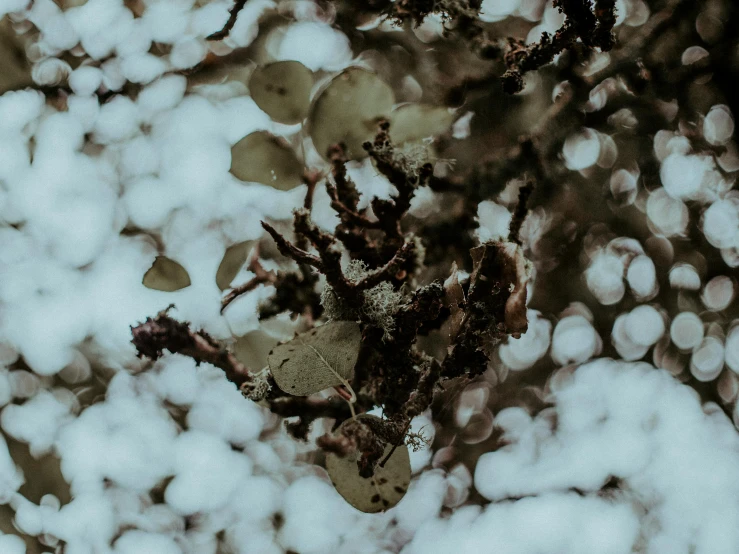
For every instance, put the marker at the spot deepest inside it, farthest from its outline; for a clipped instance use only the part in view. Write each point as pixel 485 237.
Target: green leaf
pixel 166 275
pixel 373 494
pixel 282 90
pixel 15 71
pixel 232 262
pixel 415 122
pixel 263 158
pixel 318 359
pixel 253 348
pixel 347 111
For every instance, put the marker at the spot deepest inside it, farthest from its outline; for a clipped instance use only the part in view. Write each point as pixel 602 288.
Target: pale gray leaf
pixel 318 359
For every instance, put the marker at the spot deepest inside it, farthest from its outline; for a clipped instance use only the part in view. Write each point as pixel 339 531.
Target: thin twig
pixel 388 271
pixel 291 251
pixel 520 212
pixel 261 277
pixel 233 14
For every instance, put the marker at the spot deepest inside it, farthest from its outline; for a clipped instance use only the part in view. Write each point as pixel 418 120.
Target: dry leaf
pixel 499 269
pixel 373 494
pixel 318 359
pixel 454 300
pixel 515 307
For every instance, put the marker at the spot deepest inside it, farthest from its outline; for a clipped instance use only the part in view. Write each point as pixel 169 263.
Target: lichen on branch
pixel 376 310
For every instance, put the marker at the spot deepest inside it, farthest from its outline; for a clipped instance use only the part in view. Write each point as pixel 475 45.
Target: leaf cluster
pixel 375 308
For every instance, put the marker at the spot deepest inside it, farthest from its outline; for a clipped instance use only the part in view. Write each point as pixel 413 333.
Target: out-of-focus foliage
pixel 15 71
pixel 166 275
pixel 282 89
pixel 348 109
pixel 264 158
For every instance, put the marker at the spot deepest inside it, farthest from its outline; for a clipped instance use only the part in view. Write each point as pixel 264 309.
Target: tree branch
pixel 154 336
pixel 233 14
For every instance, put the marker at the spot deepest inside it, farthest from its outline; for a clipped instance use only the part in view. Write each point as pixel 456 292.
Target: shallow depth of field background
pixel 117 122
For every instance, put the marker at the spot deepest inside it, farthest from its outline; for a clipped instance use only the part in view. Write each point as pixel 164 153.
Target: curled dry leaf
pixel 282 90
pixel 380 492
pixel 454 300
pixel 517 270
pixel 261 157
pixel 501 264
pixel 318 359
pixel 232 262
pixel 347 111
pixel 166 275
